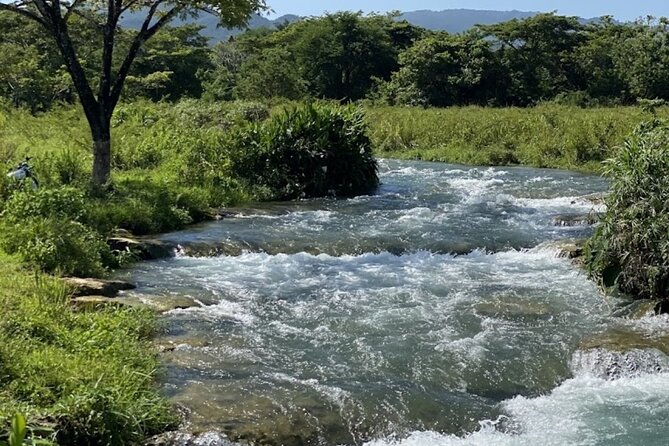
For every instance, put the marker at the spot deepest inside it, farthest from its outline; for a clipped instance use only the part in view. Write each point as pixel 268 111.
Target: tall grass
pixel 88 377
pixel 544 136
pixel 631 246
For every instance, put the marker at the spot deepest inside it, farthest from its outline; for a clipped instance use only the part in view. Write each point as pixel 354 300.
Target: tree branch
pixel 24 12
pixel 146 32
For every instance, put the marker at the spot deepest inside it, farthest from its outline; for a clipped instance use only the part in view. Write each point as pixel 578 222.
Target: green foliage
pixel 56 245
pixel 46 229
pixel 268 74
pixel 443 70
pixel 86 377
pixel 169 64
pixel 18 433
pixel 549 135
pixel 630 248
pixel 315 150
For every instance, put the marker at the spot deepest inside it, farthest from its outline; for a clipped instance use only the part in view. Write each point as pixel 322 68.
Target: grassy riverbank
pixel 91 376
pixel 544 136
pixel 85 375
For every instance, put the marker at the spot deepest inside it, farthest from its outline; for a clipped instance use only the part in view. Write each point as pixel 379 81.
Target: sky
pixel 622 9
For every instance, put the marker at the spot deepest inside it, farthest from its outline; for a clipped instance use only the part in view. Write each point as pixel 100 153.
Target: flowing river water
pixel 434 312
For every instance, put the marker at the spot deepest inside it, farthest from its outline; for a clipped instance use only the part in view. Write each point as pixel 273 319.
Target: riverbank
pixel 78 374
pixel 173 164
pixel 552 136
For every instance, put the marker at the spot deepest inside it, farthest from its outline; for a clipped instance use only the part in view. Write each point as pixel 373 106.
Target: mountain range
pixel 451 20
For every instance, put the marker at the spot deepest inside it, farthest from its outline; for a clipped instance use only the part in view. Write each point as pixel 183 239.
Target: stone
pixel 188 439
pixel 636 309
pixel 145 249
pixel 626 339
pixel 88 303
pixel 163 304
pixel 568 220
pixel 596 198
pixel 569 248
pixel 96 287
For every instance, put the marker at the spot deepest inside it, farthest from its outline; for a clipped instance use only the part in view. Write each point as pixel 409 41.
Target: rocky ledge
pixel 96 287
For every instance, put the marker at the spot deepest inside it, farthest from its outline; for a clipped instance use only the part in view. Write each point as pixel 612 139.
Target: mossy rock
pixel 96 287
pixel 623 340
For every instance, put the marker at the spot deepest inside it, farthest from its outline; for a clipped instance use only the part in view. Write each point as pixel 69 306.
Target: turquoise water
pixel 434 312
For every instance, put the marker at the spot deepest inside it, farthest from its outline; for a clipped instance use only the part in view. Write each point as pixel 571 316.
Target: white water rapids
pixel 435 312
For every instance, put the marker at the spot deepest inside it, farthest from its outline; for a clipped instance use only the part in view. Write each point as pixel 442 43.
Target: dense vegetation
pixel 630 249
pixel 549 135
pixel 83 377
pixel 347 56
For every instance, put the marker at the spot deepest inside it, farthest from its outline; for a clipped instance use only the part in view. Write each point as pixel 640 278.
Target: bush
pixel 58 245
pixel 631 246
pixel 48 230
pixel 312 151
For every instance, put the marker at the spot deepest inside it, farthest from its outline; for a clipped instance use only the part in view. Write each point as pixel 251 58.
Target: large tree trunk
pixel 101 151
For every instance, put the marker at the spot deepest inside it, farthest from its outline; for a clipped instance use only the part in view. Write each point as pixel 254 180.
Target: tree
pixel 31 74
pixel 642 60
pixel 339 55
pixel 98 102
pixel 170 66
pixel 270 74
pixel 444 70
pixel 538 55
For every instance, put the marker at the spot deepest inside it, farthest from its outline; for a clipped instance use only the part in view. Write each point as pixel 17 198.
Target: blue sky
pixel 621 9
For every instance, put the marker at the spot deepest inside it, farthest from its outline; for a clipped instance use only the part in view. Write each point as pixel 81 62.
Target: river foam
pixel 410 316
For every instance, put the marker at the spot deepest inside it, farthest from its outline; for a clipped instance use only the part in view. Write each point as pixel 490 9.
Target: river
pixel 434 312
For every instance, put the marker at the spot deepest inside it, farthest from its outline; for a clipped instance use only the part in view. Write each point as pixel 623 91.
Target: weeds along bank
pixel 172 164
pixel 89 377
pixel 630 250
pixel 549 135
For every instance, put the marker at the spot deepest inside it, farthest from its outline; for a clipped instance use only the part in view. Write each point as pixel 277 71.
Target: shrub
pixel 631 246
pixel 56 244
pixel 311 151
pixel 63 202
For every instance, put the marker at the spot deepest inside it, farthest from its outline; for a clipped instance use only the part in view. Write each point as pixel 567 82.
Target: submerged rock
pixel 622 352
pixel 596 198
pixel 512 308
pixel 625 340
pixel 636 309
pixel 577 219
pixel 96 287
pixel 568 248
pixel 90 303
pixel 145 249
pixel 187 439
pixel 612 365
pixel 164 304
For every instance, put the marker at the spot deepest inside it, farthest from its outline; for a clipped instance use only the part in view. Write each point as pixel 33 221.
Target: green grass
pixel 549 135
pixel 89 377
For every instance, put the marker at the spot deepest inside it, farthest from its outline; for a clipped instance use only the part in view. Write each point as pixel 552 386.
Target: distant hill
pixel 215 34
pixel 451 20
pixel 459 20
